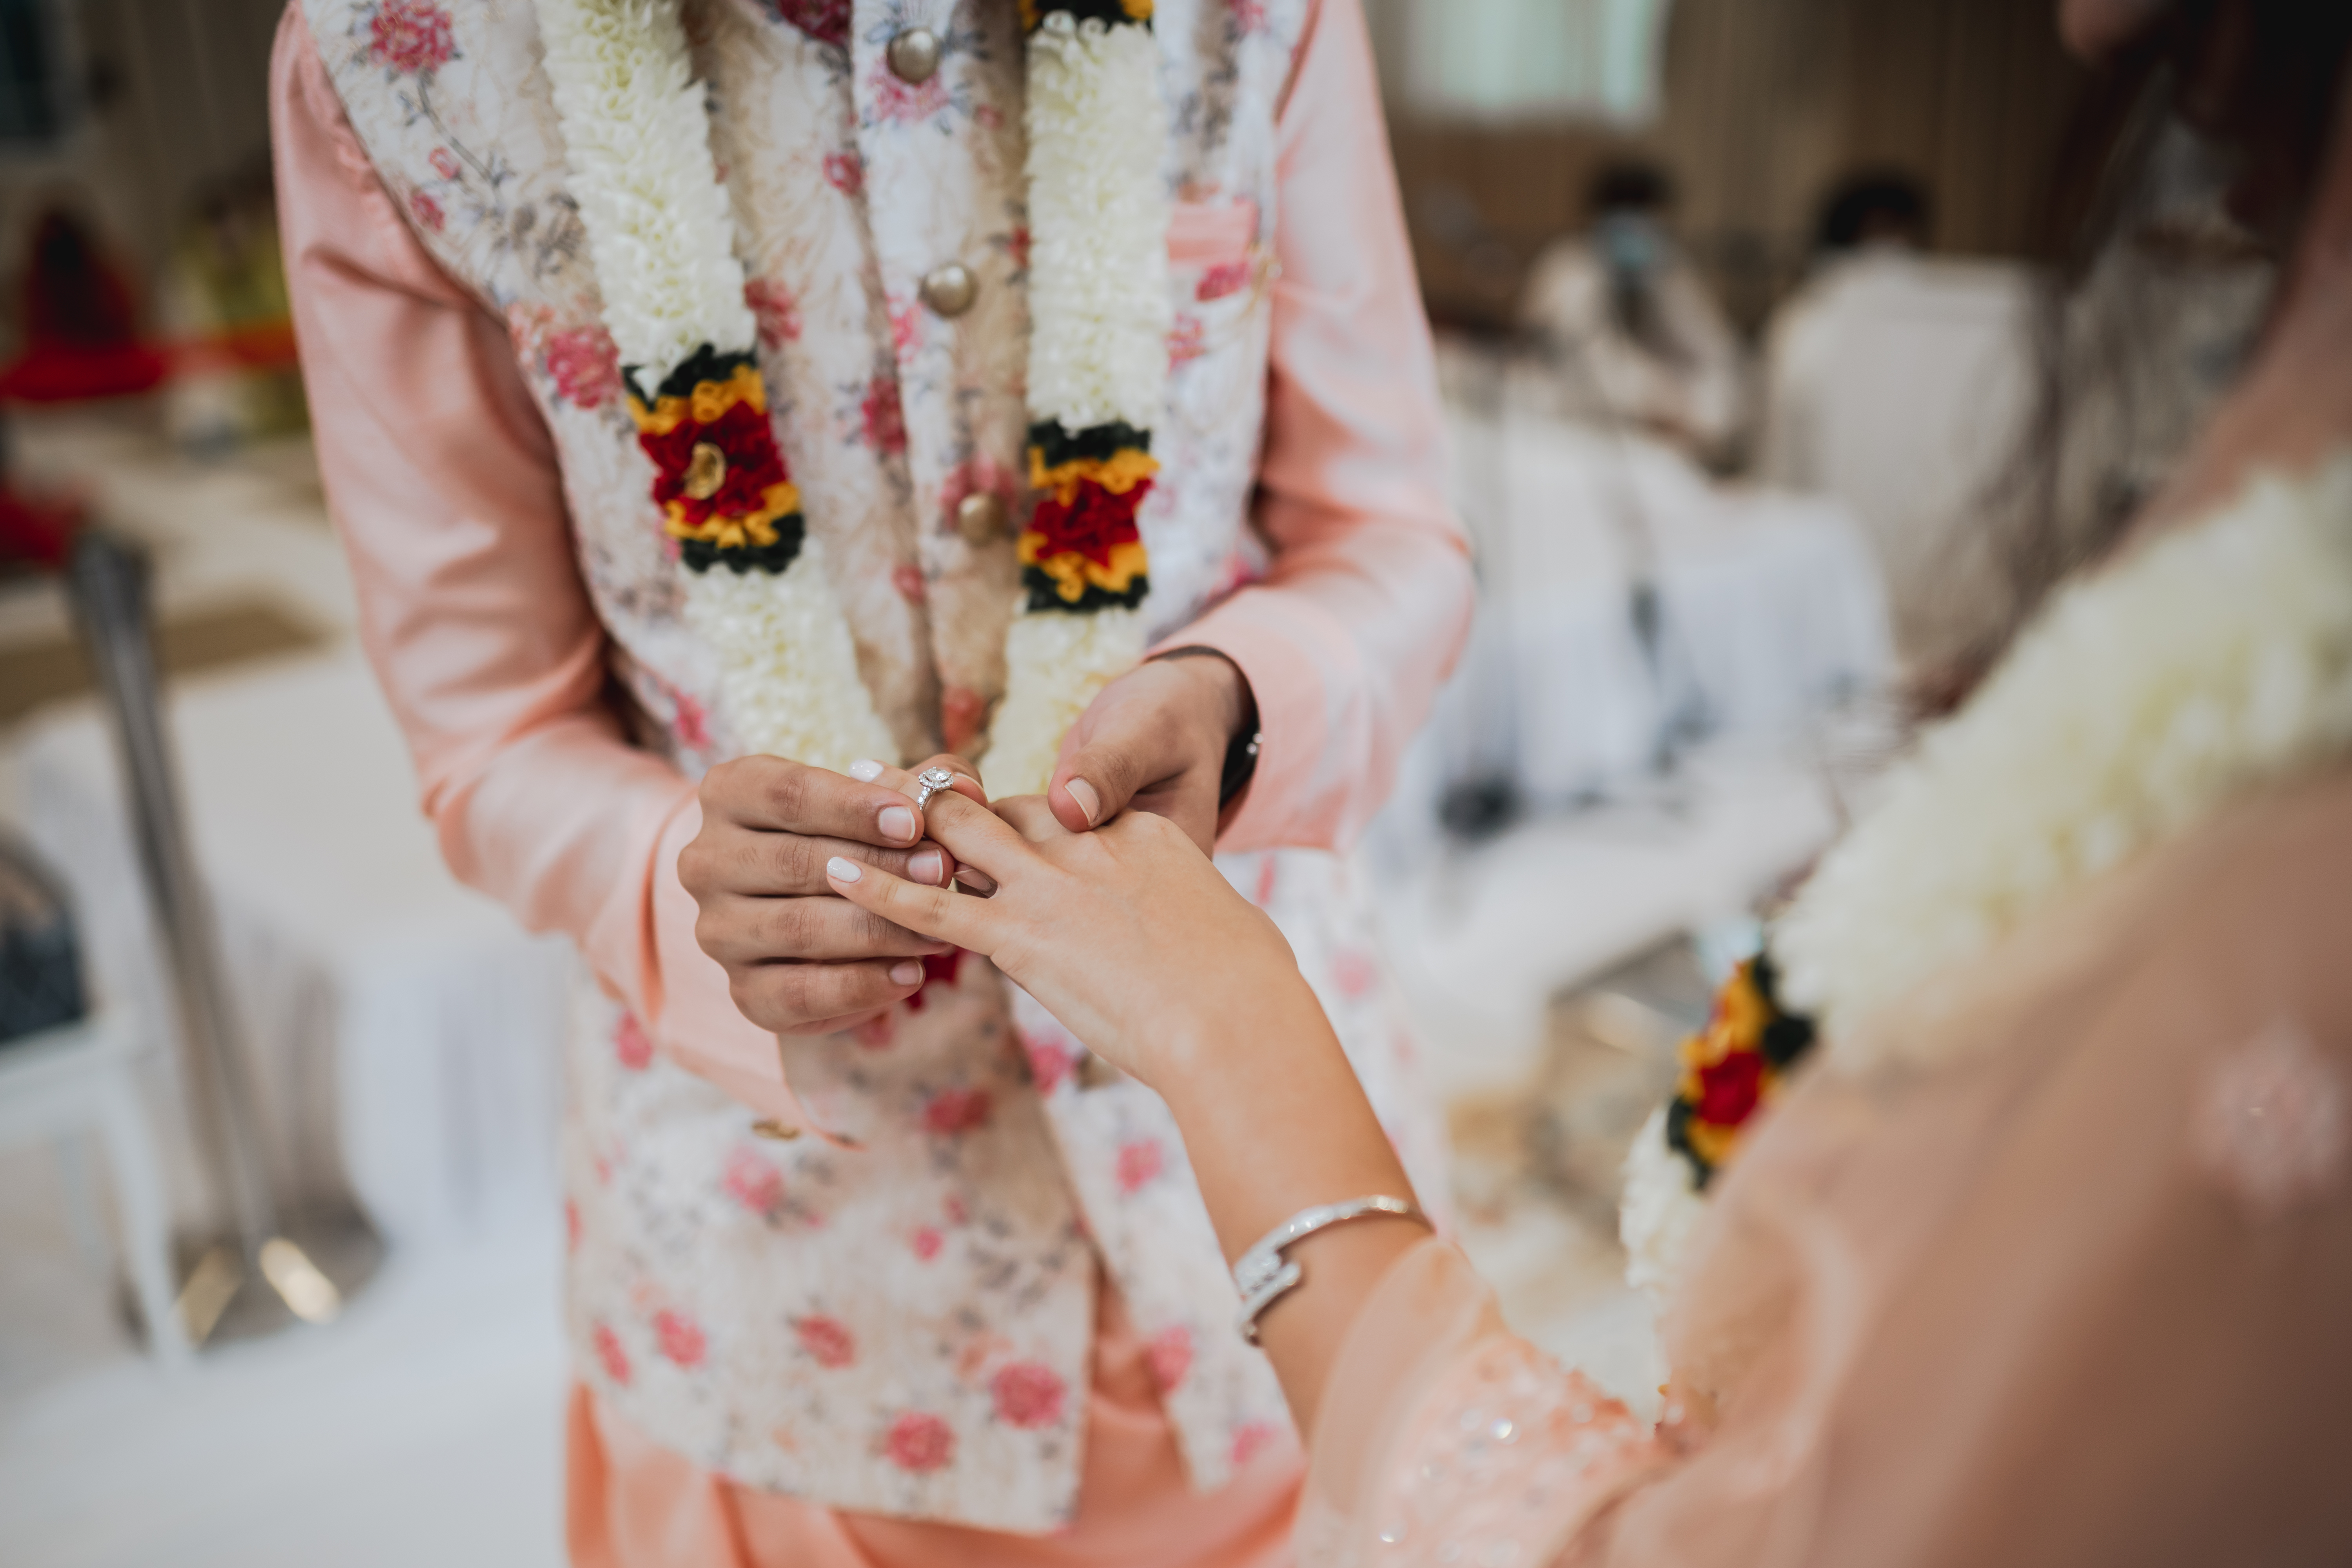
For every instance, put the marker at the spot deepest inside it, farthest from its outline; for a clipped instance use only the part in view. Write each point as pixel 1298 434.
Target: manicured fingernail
pixel 866 771
pixel 1088 801
pixel 896 821
pixel 926 866
pixel 906 972
pixel 979 881
pixel 842 870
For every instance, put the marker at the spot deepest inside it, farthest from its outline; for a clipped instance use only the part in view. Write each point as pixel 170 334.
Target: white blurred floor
pixel 425 1427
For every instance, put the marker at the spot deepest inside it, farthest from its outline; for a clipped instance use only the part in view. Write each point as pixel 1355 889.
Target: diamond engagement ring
pixel 933 780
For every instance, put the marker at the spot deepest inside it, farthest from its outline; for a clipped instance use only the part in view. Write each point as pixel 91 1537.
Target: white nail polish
pixel 842 870
pixel 898 822
pixel 866 771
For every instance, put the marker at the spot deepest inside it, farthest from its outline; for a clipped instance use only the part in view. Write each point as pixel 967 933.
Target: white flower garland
pixel 661 238
pixel 2216 660
pixel 1098 341
pixel 1099 308
pixel 660 233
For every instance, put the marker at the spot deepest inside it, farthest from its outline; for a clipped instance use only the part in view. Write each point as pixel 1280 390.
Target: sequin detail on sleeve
pixel 1507 1460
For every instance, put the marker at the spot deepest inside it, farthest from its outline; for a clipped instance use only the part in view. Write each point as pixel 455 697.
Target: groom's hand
pixel 1155 740
pixel 800 959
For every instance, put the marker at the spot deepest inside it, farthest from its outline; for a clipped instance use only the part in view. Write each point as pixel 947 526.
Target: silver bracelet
pixel 1263 1275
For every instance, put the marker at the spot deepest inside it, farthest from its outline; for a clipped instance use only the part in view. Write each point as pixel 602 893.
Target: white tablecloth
pixel 404 1033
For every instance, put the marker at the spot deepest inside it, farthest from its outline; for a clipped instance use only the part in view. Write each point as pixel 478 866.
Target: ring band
pixel 933 780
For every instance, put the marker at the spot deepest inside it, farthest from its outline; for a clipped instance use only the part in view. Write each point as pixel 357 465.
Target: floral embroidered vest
pixel 904 1327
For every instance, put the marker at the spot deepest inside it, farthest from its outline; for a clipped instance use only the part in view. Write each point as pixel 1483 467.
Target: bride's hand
pixel 1127 934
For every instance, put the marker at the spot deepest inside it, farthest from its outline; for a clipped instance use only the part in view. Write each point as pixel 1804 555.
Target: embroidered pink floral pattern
pixel 1226 277
pixel 880 417
pixel 614 1360
pixel 632 1044
pixel 571 1226
pixel 680 1338
pixel 1170 1357
pixel 1028 1395
pixel 826 21
pixel 1355 974
pixel 1188 340
pixel 426 211
pixel 898 101
pixel 1049 1064
pixel 919 1442
pixel 411 37
pixel 906 326
pixel 1253 1440
pixel 1138 1162
pixel 2272 1122
pixel 956 1111
pixel 773 310
pixel 827 1341
pixel 752 1182
pixel 690 723
pixel 963 714
pixel 444 161
pixel 908 578
pixel 845 173
pixel 1504 1460
pixel 584 366
pixel 926 1242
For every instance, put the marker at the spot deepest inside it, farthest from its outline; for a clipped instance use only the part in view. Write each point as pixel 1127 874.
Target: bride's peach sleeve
pixel 1446 1439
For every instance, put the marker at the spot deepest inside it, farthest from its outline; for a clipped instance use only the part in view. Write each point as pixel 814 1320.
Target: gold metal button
pixel 914 55
pixel 981 517
pixel 775 1130
pixel 705 470
pixel 949 289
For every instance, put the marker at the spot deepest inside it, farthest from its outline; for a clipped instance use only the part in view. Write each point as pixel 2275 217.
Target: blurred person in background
pixel 2025 1146
pixel 723 404
pixel 1627 327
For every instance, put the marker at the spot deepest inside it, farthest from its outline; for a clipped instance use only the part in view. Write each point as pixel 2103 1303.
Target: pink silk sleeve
pixel 444 484
pixel 1364 613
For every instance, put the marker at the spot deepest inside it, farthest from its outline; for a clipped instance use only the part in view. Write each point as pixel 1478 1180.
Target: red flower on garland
pixel 918 1441
pixel 1093 521
pixel 1028 1395
pixel 743 438
pixel 412 36
pixel 1730 1089
pixel 828 1342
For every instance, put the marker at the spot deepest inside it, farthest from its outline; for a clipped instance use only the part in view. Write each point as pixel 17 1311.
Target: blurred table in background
pixel 406 1032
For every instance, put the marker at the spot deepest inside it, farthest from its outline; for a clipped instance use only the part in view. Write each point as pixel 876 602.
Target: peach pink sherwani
pixel 906 1330
pixel 2078 1299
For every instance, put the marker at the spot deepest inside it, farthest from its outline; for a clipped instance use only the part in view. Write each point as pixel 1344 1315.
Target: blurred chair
pixel 1895 382
pixel 78 1080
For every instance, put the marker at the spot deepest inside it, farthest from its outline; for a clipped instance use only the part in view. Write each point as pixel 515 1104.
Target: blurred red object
pixel 81 329
pixel 37 533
